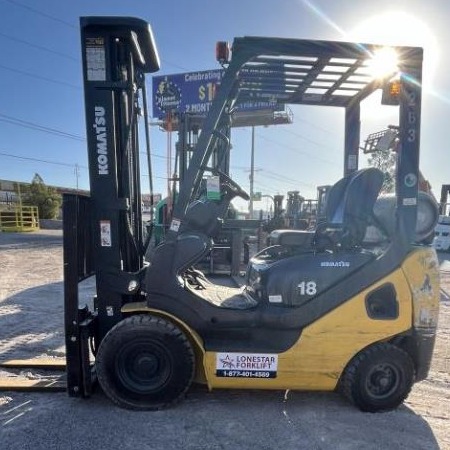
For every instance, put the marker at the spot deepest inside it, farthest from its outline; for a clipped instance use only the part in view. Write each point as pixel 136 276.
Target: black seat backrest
pixel 350 205
pixel 204 216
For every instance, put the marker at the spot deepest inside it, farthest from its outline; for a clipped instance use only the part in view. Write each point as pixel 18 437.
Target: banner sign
pixel 194 92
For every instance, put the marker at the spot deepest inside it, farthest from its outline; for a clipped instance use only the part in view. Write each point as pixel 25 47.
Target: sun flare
pixel 400 28
pixel 384 62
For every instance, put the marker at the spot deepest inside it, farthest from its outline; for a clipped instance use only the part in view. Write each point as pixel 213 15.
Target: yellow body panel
pixel 325 347
pixel 317 359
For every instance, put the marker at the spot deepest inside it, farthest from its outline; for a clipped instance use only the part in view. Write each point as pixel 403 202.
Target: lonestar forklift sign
pixel 246 365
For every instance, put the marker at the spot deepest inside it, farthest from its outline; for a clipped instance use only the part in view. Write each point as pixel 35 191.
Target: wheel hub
pixel 143 366
pixel 382 380
pixel 146 366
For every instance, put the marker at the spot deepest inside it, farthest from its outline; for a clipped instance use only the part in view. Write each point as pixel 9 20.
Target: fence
pixel 19 218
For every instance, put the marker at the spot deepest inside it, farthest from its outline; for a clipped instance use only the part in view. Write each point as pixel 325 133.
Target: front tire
pixel 378 378
pixel 145 363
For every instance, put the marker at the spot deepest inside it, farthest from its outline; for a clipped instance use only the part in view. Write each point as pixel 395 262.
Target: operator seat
pixel 349 210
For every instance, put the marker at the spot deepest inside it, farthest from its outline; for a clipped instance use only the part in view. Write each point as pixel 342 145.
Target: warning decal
pixel 105 233
pixel 95 59
pixel 246 365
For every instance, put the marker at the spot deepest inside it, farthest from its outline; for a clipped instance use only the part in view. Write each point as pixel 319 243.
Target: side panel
pixel 316 361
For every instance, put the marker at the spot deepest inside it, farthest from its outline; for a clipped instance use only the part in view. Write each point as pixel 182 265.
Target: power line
pixel 40 13
pixel 39 77
pixel 311 141
pixel 41 160
pixel 155 156
pixel 275 175
pixel 53 162
pixel 285 178
pixel 269 174
pixel 37 127
pixel 39 47
pixel 57 19
pixel 265 187
pixel 281 179
pixel 311 124
pixel 54 131
pixel 161 178
pixel 297 151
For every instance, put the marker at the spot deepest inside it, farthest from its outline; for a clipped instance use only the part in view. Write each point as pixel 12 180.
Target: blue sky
pixel 41 83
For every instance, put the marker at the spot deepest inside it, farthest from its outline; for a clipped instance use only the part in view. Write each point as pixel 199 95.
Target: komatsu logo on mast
pixel 101 140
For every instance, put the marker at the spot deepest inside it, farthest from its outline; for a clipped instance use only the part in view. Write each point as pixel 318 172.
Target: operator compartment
pixel 304 264
pixel 220 295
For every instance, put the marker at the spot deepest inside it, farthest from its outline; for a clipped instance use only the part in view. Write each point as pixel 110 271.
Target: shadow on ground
pixel 217 420
pixel 32 321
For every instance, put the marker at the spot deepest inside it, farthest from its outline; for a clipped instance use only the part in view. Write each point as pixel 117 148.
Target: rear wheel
pixel 145 363
pixel 378 378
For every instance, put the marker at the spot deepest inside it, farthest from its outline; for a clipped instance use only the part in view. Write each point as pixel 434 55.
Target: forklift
pixel 321 310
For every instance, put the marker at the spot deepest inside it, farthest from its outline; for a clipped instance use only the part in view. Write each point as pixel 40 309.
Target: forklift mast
pixel 103 234
pixel 117 52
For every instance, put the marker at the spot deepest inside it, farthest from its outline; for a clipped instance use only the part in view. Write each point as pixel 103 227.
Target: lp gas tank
pixel 294 280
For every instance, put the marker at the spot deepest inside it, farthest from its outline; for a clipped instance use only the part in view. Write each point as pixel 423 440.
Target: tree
pixel 384 146
pixel 44 197
pixel 385 158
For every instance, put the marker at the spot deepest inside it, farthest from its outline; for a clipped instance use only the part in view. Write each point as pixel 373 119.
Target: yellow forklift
pixel 351 305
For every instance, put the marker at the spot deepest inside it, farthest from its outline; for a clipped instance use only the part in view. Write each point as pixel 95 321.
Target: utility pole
pixel 77 174
pixel 252 172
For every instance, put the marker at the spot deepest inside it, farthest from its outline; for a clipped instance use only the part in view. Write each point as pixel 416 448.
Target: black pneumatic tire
pixel 378 378
pixel 145 363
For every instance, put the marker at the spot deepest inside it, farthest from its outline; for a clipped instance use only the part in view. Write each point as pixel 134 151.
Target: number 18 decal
pixel 307 288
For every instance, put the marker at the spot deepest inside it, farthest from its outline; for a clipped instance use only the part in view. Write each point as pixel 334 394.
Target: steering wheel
pixel 234 187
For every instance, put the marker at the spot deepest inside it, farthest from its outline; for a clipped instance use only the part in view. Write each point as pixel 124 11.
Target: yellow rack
pixel 19 218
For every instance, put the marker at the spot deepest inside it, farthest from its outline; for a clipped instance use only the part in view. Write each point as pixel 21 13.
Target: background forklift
pixel 321 310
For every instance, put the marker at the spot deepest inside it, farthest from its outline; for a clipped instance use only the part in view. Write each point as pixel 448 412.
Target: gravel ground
pixel 31 324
